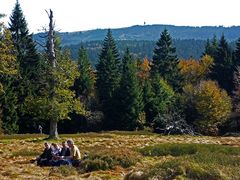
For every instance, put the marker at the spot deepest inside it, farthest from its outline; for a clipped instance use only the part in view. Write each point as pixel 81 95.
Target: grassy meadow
pixel 112 155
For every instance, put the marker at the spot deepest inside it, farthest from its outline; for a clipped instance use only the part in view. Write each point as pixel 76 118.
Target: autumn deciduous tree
pixel 8 95
pixel 144 70
pixel 211 106
pixel 193 71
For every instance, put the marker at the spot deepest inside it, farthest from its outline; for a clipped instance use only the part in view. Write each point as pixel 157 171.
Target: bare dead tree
pixel 53 133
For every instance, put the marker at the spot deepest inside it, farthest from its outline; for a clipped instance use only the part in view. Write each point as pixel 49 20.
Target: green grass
pixel 187 149
pixel 194 161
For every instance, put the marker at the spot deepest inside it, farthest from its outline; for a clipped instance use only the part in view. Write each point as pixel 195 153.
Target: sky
pixel 80 15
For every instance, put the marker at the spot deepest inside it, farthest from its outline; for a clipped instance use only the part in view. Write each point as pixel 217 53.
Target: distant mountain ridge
pixel 189 41
pixel 151 33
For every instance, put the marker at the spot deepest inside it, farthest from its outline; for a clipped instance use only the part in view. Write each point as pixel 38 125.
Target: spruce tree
pixel 28 61
pixel 211 47
pixel 165 61
pixel 148 98
pixel 27 55
pixel 222 69
pixel 236 57
pixel 108 78
pixel 130 95
pixel 84 85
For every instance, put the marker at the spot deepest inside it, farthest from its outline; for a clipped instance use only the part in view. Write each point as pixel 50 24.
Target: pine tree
pixel 130 95
pixel 148 98
pixel 28 61
pixel 222 70
pixel 236 57
pixel 165 61
pixel 27 55
pixel 108 78
pixel 236 93
pixel 211 47
pixel 84 85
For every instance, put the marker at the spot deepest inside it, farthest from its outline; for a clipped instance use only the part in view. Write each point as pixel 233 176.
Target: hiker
pixel 40 128
pixel 60 159
pixel 65 150
pixel 75 155
pixel 46 156
pixel 55 150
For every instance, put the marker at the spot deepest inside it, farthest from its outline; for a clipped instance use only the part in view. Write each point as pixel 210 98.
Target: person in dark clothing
pixel 45 157
pixel 59 160
pixel 65 150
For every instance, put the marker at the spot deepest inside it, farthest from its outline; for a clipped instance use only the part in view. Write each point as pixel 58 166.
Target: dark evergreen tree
pixel 165 61
pixel 211 47
pixel 108 78
pixel 222 70
pixel 130 96
pixel 158 98
pixel 28 61
pixel 148 98
pixel 236 57
pixel 8 101
pixel 27 55
pixel 84 85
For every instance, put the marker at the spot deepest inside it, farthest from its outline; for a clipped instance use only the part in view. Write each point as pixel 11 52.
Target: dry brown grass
pixel 15 162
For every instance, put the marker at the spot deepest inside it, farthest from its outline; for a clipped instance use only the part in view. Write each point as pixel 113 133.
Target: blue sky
pixel 78 15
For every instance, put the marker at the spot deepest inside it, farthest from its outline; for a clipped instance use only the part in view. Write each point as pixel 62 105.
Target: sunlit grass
pixel 113 154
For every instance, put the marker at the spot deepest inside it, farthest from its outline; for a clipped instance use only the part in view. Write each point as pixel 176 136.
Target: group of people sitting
pixel 53 155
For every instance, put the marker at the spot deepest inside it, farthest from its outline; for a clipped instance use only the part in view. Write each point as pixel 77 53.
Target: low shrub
pixel 63 170
pixel 179 169
pixel 109 158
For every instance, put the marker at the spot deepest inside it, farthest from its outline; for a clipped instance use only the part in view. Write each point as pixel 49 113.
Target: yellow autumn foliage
pixel 212 104
pixel 144 71
pixel 7 57
pixel 193 71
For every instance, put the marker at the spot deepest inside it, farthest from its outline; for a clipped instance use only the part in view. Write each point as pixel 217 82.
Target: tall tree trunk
pixel 52 58
pixel 53 134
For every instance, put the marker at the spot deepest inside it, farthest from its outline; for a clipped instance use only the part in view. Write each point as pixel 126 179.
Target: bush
pixel 94 165
pixel 181 170
pixel 108 159
pixel 172 122
pixel 210 105
pixel 63 170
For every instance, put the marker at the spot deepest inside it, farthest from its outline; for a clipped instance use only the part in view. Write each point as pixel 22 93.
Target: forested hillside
pixel 189 41
pixel 151 33
pixel 141 49
pixel 183 86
